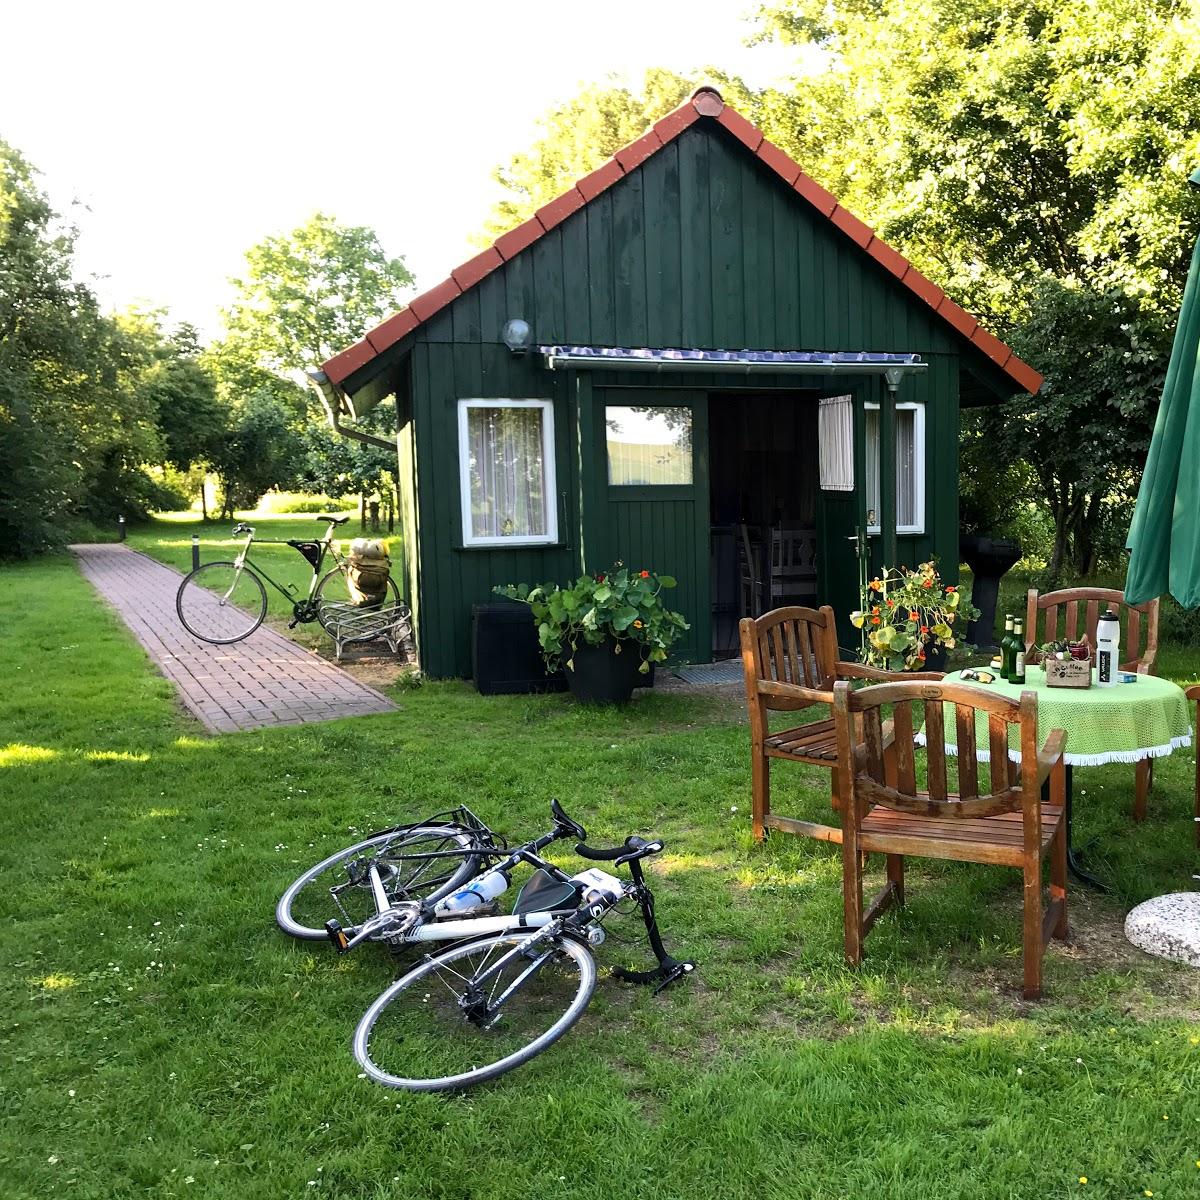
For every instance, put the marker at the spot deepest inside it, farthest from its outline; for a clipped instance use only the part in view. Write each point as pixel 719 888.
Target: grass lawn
pixel 161 1038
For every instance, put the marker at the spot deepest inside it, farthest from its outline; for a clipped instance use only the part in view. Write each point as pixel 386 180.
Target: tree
pixel 578 135
pixel 259 450
pixel 1032 159
pixel 308 294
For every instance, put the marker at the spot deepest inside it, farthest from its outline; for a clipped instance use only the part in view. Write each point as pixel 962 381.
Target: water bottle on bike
pixel 476 894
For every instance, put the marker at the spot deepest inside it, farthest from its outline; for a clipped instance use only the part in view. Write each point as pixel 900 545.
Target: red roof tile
pixel 705 103
pixel 477 268
pixel 511 244
pixel 600 180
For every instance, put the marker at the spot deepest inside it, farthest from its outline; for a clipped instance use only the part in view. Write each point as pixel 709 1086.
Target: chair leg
pixel 852 899
pixel 1143 779
pixel 1058 850
pixel 895 874
pixel 760 797
pixel 1032 929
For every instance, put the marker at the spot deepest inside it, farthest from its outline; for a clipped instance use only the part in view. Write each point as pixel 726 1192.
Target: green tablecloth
pixel 1125 723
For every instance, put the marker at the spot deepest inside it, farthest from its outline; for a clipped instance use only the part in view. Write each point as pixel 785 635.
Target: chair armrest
pixel 1193 693
pixel 793 691
pixel 1051 753
pixel 862 671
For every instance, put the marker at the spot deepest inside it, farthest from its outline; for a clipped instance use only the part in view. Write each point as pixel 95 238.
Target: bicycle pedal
pixel 337 935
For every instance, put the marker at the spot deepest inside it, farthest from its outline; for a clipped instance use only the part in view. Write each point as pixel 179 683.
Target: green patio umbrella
pixel 1165 535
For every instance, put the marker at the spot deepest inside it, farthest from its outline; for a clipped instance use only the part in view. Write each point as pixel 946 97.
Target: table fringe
pixel 1084 760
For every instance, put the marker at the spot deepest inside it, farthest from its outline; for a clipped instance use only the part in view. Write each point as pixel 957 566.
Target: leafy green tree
pixel 310 293
pixel 1031 158
pixel 260 449
pixel 578 135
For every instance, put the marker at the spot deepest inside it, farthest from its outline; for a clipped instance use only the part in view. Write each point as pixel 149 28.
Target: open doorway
pixel 763 497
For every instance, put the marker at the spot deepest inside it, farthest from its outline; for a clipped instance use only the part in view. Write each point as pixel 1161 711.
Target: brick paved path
pixel 265 680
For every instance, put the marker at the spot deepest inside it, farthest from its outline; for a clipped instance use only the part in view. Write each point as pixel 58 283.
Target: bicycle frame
pixel 243 560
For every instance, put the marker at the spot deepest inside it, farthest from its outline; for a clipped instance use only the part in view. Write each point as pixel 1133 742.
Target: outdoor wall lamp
pixel 517 335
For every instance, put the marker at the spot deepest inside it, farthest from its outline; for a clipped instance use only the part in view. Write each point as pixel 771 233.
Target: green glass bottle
pixel 1018 675
pixel 1006 648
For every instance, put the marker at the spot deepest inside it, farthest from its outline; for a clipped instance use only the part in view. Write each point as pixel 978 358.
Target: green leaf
pixel 623 618
pixel 667 581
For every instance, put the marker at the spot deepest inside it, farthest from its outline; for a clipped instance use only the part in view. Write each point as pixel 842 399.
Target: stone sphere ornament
pixel 1168 927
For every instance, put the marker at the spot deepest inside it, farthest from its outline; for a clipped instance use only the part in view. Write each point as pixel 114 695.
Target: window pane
pixel 906 480
pixel 907 466
pixel 873 515
pixel 508 472
pixel 649 445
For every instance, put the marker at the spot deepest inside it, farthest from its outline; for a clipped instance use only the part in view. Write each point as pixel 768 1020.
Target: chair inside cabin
pixel 790 663
pixel 1080 610
pixel 793 563
pixel 1003 822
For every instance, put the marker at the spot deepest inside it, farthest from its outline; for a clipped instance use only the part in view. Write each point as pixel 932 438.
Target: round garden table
pixel 1125 723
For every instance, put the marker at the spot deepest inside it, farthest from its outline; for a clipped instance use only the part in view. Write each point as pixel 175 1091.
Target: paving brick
pixel 263 681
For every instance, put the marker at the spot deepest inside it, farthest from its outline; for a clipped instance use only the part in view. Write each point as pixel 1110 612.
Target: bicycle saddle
pixel 333 520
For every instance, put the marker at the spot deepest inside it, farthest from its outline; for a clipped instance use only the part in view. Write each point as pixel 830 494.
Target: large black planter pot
pixel 988 559
pixel 601 676
pixel 935 658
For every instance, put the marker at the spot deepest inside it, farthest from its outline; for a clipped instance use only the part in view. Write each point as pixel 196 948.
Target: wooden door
pixel 647 502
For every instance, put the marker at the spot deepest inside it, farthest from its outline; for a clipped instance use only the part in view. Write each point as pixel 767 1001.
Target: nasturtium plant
pixel 906 613
pixel 618 604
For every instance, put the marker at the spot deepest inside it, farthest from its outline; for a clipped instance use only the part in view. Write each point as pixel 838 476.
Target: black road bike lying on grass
pixel 225 602
pixel 506 987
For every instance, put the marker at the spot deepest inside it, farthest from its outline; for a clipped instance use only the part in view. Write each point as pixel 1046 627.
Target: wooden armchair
pixel 1009 825
pixel 1081 610
pixel 1193 693
pixel 790 662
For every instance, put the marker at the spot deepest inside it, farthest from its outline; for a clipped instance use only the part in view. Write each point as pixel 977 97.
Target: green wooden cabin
pixel 546 426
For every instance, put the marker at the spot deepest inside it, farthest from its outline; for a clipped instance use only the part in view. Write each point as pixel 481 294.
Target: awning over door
pixel 742 362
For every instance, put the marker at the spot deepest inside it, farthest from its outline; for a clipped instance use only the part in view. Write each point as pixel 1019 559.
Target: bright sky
pixel 189 132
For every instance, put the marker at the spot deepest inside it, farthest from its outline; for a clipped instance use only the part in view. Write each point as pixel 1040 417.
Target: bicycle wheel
pixel 332 597
pixel 430 1032
pixel 339 886
pixel 221 602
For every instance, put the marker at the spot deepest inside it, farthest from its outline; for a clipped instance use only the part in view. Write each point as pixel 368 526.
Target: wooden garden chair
pixel 1081 610
pixel 1193 693
pixel 790 662
pixel 883 810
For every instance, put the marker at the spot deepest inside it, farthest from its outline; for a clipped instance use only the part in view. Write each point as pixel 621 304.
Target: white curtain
pixel 508 473
pixel 835 436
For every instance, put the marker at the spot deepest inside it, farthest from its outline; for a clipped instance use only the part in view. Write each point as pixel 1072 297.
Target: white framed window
pixel 910 468
pixel 506 471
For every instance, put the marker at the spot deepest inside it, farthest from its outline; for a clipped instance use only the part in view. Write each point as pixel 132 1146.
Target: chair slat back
pixel 789 645
pixel 865 761
pixel 1084 605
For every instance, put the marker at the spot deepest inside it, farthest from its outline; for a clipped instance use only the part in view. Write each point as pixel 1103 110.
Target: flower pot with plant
pixel 604 630
pixel 908 619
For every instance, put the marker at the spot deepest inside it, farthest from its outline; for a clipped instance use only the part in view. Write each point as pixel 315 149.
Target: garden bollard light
pixel 120 529
pixel 195 552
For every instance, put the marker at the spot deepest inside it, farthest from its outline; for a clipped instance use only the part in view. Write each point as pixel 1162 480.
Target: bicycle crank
pixel 303 612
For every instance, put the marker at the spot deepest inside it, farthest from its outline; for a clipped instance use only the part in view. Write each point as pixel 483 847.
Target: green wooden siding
pixel 701 246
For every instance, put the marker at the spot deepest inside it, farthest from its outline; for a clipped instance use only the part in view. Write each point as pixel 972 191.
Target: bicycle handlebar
pixel 633 848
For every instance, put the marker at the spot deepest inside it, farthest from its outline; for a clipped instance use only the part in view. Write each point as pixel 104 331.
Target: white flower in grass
pixel 53 1159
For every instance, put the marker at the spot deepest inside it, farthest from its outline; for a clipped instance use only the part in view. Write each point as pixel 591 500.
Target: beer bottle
pixel 1018 675
pixel 1006 648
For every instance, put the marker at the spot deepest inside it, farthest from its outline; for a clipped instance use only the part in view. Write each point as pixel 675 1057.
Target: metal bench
pixel 348 623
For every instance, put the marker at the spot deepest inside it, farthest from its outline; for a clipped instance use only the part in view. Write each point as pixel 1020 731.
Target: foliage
pixel 618 604
pixel 309 294
pixel 1086 433
pixel 259 450
pixel 580 134
pixel 905 613
pixel 1032 159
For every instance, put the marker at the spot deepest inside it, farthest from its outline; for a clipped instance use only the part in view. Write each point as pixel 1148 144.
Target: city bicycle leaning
pixel 507 986
pixel 225 602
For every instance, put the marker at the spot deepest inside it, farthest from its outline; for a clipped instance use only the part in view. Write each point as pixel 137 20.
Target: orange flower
pixel 927 583
pixel 924 628
pixel 921 655
pixel 913 615
pixel 875 585
pixel 645 574
pixel 874 620
pixel 891 604
pixel 875 608
pixel 952 588
pixel 637 624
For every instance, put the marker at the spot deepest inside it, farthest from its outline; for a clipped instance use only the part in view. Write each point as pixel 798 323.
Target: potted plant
pixel 908 618
pixel 604 629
